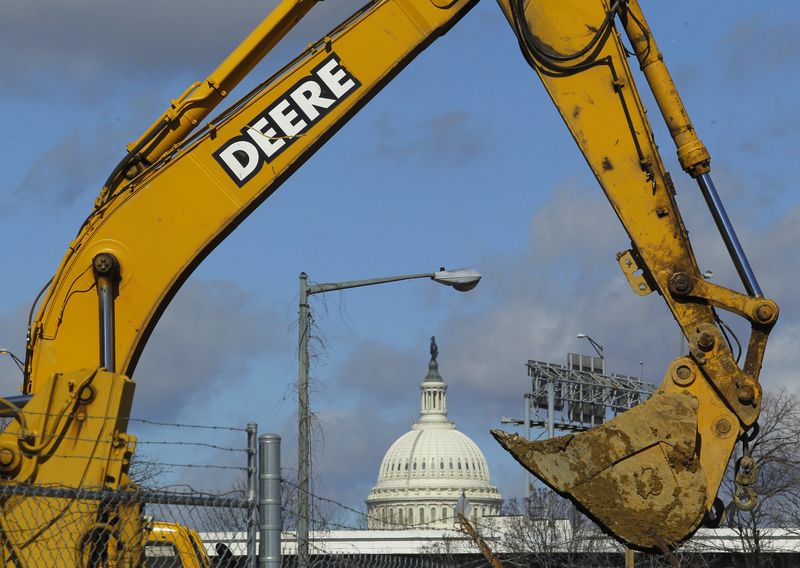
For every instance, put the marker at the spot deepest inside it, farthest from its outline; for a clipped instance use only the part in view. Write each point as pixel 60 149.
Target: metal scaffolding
pixel 577 396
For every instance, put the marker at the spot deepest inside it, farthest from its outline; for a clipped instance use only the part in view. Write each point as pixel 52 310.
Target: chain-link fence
pixel 59 526
pixel 74 493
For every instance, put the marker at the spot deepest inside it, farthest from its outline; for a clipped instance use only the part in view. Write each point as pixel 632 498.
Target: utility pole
pixel 304 453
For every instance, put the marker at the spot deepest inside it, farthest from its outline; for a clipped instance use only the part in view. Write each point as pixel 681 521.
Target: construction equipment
pixel 171 545
pixel 647 477
pixel 651 475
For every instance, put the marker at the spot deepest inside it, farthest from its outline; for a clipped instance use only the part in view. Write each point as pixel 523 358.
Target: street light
pixel 597 347
pixel 462 280
pixel 17 361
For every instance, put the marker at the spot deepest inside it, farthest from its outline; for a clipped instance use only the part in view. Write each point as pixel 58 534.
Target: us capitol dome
pixel 426 470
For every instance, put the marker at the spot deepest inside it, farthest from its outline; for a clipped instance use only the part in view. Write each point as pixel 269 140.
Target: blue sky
pixel 461 161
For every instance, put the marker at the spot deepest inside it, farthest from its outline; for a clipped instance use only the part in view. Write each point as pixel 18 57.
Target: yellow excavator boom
pixel 164 222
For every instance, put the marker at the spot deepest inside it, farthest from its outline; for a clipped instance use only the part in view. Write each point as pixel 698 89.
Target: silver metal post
pixel 728 234
pixel 303 451
pixel 252 498
pixel 551 408
pixel 527 437
pixel 269 504
pixel 106 296
pixel 106 271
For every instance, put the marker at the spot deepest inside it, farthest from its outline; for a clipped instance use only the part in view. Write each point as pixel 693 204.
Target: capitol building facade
pixel 427 470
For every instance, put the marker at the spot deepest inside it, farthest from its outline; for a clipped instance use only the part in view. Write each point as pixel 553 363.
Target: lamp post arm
pixel 331 286
pixel 597 347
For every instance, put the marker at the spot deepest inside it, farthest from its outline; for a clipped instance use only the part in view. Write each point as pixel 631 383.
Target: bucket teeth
pixel 637 476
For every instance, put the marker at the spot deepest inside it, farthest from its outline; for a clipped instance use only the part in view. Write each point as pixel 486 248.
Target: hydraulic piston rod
pixel 728 235
pixel 106 271
pixel 692 153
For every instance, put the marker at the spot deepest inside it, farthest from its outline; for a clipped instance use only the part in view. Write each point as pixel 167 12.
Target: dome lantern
pixel 433 404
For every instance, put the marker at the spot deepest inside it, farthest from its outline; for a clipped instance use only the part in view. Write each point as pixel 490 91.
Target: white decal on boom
pixel 291 115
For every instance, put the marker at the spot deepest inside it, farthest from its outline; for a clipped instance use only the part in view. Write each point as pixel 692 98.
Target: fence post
pixel 252 511
pixel 269 503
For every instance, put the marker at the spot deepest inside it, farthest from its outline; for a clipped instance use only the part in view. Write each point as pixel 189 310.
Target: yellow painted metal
pixel 201 98
pixel 186 543
pixel 634 274
pixel 578 55
pixel 72 434
pixel 168 219
pixel 600 105
pixel 692 153
pixel 718 428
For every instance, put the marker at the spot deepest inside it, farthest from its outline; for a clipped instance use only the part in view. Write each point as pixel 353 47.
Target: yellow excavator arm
pixel 649 476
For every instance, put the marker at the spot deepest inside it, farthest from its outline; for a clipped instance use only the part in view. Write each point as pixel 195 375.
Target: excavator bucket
pixel 637 476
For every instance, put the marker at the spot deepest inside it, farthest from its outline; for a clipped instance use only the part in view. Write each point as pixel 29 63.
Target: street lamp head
pixel 17 361
pixel 581 336
pixel 462 279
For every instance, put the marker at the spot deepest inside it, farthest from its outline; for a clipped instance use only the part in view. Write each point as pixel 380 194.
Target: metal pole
pixel 106 272
pixel 728 235
pixel 527 437
pixel 303 451
pixel 106 297
pixel 269 504
pixel 629 561
pixel 252 498
pixel 551 408
pixel 346 285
